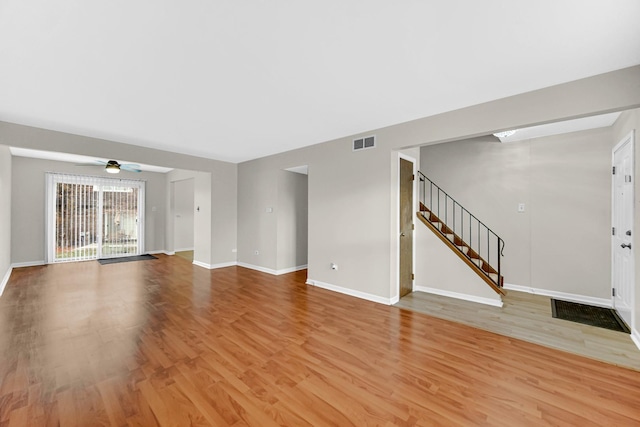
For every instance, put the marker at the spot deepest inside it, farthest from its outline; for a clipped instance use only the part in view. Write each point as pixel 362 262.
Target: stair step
pixel 477 262
pixel 464 249
pixel 437 224
pixel 494 277
pixel 450 236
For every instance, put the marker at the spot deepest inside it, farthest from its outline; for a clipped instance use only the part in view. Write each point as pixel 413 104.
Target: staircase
pixel 475 243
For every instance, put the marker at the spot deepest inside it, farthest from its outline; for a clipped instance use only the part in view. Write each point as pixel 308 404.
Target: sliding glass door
pixel 93 217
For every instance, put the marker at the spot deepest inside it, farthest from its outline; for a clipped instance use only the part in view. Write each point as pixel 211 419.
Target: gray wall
pixel 5 212
pixel 351 221
pixel 628 121
pixel 217 181
pixel 352 195
pixel 348 214
pixel 565 184
pixel 292 217
pixel 28 206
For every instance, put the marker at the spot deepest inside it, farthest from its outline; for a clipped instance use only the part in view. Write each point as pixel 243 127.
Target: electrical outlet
pixel 334 266
pixel 256 252
pixel 520 207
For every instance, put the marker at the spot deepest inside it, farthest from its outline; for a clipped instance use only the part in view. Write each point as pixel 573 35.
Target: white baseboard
pixel 182 249
pixel 257 268
pixel 5 280
pixel 270 270
pixel 635 337
pixel 27 264
pixel 350 292
pixel 600 302
pixel 291 269
pixel 466 297
pixel 214 266
pixel 394 300
pixel 157 252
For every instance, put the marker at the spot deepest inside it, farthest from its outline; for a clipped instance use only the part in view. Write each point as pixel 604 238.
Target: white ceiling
pixel 236 80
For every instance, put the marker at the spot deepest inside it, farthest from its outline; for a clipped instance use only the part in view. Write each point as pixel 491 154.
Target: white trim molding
pixel 635 337
pixel 158 252
pixel 270 270
pixel 465 297
pixel 5 280
pixel 257 268
pixel 350 292
pixel 183 249
pixel 29 264
pixel 394 231
pixel 291 269
pixel 214 266
pixel 583 299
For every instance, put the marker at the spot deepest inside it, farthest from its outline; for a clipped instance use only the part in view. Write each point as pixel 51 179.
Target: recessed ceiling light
pixel 505 134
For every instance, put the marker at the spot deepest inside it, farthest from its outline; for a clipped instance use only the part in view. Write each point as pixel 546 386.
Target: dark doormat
pixel 104 261
pixel 588 315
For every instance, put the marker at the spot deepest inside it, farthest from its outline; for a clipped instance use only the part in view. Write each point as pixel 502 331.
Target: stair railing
pixel 474 233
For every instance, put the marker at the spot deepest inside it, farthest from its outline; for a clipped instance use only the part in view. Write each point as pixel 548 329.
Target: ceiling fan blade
pixel 130 167
pixel 94 163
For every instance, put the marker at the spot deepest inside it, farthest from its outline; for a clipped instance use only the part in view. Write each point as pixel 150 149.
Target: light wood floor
pixel 188 255
pixel 528 317
pixel 163 342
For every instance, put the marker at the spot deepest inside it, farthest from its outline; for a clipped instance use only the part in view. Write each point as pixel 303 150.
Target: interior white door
pixel 622 234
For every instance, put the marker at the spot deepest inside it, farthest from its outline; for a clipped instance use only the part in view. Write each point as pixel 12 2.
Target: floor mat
pixel 104 261
pixel 589 315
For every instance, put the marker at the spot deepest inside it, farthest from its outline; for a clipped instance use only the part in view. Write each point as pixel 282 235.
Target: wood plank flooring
pixel 528 317
pixel 163 342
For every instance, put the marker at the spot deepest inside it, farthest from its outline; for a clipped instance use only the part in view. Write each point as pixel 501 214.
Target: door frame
pixel 628 139
pixel 396 207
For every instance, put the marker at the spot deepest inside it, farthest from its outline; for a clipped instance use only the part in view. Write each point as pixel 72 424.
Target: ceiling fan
pixel 112 166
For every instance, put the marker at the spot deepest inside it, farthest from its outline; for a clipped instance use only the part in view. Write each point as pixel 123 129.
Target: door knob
pixel 401 234
pixel 628 245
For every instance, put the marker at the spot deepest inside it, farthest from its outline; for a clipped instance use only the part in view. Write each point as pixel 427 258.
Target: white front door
pixel 622 239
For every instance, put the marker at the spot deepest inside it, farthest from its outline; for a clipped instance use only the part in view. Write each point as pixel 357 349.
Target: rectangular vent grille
pixel 364 143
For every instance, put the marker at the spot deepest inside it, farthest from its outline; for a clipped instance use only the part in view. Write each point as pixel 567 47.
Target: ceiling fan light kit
pixel 112 167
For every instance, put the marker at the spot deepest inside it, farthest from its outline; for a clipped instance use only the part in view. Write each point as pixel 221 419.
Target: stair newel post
pixel 499 256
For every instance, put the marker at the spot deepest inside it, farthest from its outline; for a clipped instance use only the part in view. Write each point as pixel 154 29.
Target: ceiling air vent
pixel 363 143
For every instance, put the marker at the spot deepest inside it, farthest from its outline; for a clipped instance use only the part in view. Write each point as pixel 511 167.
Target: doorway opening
pixel 406 172
pixel 292 218
pixel 182 208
